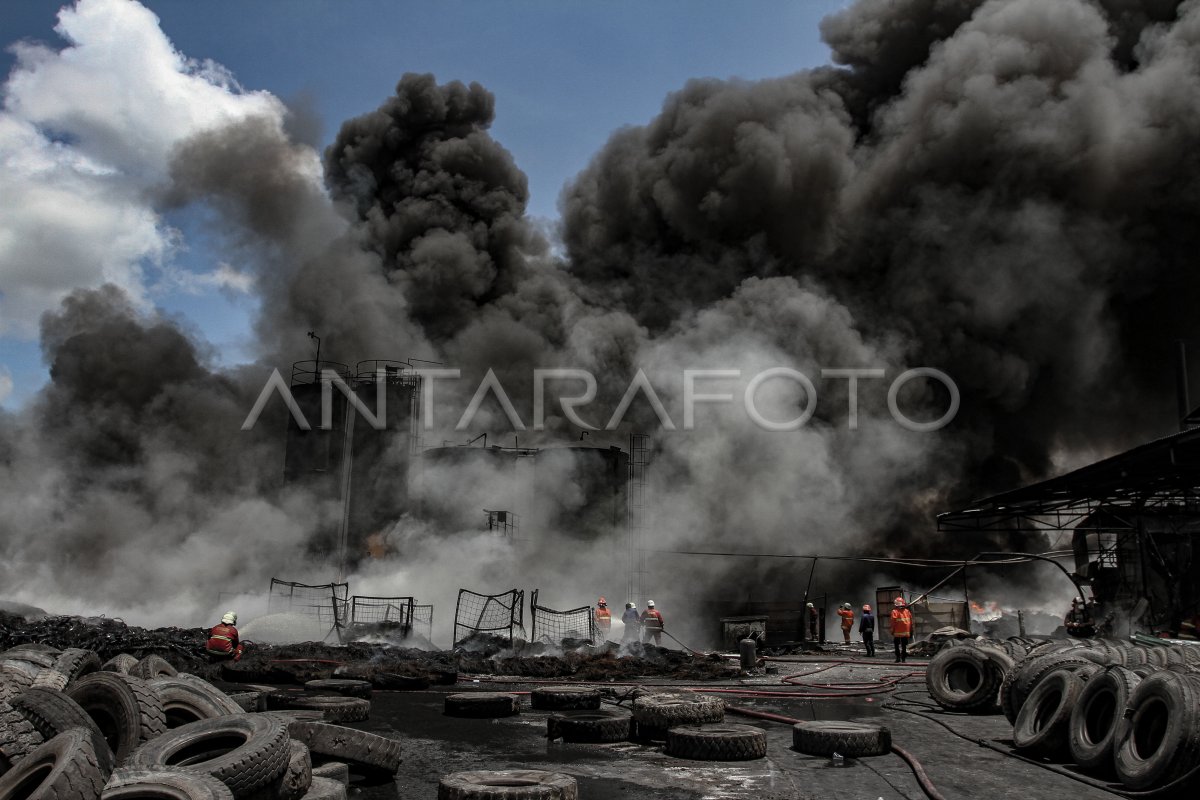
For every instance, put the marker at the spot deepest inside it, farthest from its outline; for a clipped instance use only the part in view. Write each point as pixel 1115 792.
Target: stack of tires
pixel 1113 708
pixel 71 727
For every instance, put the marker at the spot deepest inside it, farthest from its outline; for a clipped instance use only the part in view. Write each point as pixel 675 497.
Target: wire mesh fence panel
pixel 329 603
pixel 366 610
pixel 422 620
pixel 499 615
pixel 553 626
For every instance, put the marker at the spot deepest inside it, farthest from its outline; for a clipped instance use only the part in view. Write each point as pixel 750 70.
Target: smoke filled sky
pixel 1003 190
pixel 565 76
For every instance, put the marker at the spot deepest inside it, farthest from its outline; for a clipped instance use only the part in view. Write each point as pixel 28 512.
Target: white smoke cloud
pixel 86 134
pixel 6 383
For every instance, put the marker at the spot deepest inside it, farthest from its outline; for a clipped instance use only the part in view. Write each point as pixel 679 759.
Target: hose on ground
pixel 918 771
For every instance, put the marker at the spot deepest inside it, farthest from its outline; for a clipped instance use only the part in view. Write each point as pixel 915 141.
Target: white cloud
pixel 225 278
pixel 85 135
pixel 6 383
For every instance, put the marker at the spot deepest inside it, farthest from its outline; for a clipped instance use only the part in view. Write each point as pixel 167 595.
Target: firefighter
pixel 603 619
pixel 1079 621
pixel 633 623
pixel 901 629
pixel 813 628
pixel 223 640
pixel 866 627
pixel 847 616
pixel 652 624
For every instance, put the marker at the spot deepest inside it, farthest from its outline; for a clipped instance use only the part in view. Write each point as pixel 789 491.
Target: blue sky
pixel 565 76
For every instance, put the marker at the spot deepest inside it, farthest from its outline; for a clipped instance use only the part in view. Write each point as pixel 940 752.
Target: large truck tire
pixel 64 768
pixel 368 751
pixel 849 739
pixel 247 752
pixel 721 742
pixel 592 727
pixel 966 678
pixel 126 709
pixel 163 784
pixel 482 705
pixel 1094 720
pixel 18 737
pixel 655 714
pixel 508 784
pixel 1042 724
pixel 52 713
pixel 346 687
pixel 334 708
pixel 122 663
pixel 565 698
pixel 153 667
pixel 1158 739
pixel 186 698
pixel 75 662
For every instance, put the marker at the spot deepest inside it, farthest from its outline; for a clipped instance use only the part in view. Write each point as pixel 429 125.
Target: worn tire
pixel 368 751
pixel 664 711
pixel 51 679
pixel 75 663
pixel 122 663
pixel 298 775
pixel 1158 739
pixel 18 737
pixel 849 739
pixel 247 752
pixel 966 678
pixel 1095 719
pixel 1029 673
pixel 592 727
pixel 345 687
pixel 334 771
pixel 508 784
pixel 126 709
pixel 565 698
pixel 164 784
pixel 325 789
pixel 51 713
pixel 64 768
pixel 1042 724
pixel 252 700
pixel 39 658
pixel 333 708
pixel 482 705
pixel 153 667
pixel 18 671
pixel 186 698
pixel 721 742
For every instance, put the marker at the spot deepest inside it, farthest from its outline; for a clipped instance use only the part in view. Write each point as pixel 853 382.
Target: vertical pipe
pixel 1181 384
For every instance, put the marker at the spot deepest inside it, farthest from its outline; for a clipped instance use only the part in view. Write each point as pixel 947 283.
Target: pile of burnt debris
pixel 385 666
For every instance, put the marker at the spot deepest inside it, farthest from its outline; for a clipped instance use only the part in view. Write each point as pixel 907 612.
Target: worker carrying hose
pixel 603 619
pixel 652 624
pixel 866 628
pixel 901 629
pixel 223 640
pixel 847 616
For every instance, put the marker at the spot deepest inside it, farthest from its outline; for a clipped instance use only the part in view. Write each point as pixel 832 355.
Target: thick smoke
pixel 1001 190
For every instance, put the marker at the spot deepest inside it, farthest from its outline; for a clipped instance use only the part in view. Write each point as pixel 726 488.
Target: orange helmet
pixel 900 601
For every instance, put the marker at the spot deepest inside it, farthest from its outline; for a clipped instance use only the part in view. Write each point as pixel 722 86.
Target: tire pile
pixel 72 728
pixel 1113 708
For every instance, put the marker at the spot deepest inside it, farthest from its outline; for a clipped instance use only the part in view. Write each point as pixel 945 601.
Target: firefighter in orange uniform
pixel 223 640
pixel 901 629
pixel 603 619
pixel 652 624
pixel 847 615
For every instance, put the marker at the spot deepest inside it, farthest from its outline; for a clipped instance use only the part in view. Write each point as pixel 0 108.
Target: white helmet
pixel 808 605
pixel 649 604
pixel 230 618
